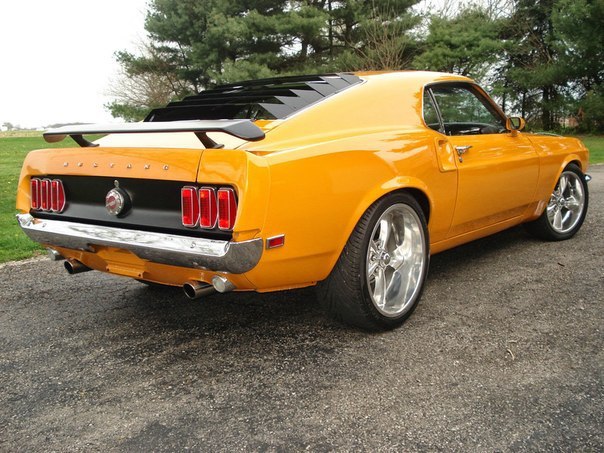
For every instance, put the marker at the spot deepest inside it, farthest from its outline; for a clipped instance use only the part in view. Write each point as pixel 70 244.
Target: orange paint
pixel 318 171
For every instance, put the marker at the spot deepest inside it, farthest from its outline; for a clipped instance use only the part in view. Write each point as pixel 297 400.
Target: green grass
pixel 14 147
pixel 14 244
pixel 595 144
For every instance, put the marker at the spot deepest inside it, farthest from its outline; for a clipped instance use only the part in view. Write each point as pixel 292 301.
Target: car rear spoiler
pixel 241 128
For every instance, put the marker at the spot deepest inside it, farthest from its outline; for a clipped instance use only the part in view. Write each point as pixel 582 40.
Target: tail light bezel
pixel 192 198
pixel 34 187
pixel 57 196
pixel 211 201
pixel 47 195
pixel 227 208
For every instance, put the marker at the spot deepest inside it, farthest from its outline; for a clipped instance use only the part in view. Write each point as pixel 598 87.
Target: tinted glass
pixel 466 112
pixel 430 115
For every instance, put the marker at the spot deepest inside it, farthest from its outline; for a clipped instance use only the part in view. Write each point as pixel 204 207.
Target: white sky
pixel 56 57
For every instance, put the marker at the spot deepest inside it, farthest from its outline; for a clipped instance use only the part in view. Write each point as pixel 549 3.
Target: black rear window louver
pixel 274 98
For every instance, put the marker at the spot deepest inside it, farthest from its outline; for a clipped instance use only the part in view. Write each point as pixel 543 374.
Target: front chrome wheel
pixel 566 208
pixel 566 205
pixel 395 260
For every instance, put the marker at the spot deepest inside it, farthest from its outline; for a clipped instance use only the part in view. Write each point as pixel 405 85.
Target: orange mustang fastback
pixel 345 181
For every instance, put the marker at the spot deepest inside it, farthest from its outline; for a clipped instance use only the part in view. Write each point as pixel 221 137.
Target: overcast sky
pixel 56 57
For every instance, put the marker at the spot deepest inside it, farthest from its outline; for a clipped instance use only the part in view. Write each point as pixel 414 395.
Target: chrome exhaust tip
pixel 75 267
pixel 222 284
pixel 195 290
pixel 54 255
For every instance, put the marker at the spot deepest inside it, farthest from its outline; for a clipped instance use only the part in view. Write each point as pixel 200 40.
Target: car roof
pixel 418 78
pixel 280 97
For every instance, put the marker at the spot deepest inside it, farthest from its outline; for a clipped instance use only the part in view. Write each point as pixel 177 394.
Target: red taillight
pixel 208 208
pixel 57 196
pixel 45 194
pixel 35 193
pixel 189 206
pixel 227 209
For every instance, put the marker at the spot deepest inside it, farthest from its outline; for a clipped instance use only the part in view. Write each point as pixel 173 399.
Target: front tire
pixel 379 277
pixel 566 209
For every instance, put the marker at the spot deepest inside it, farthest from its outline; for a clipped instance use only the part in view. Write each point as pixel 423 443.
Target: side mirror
pixel 515 123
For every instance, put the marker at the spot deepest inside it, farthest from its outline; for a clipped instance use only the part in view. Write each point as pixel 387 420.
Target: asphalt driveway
pixel 505 352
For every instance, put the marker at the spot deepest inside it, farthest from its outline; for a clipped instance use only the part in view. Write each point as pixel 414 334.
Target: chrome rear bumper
pixel 211 254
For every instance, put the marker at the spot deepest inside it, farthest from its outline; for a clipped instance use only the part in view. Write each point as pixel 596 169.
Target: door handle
pixel 461 150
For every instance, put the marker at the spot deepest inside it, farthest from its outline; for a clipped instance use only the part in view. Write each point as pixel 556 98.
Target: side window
pixel 465 111
pixel 430 114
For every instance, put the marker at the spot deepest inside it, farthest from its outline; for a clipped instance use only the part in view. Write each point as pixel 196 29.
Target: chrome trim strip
pixel 200 253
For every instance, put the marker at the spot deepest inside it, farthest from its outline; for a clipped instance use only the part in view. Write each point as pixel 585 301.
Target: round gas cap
pixel 116 201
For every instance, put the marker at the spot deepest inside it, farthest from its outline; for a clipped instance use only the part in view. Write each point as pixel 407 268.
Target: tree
pixel 213 41
pixel 374 36
pixel 541 58
pixel 532 60
pixel 144 84
pixel 578 24
pixel 554 60
pixel 194 44
pixel 467 44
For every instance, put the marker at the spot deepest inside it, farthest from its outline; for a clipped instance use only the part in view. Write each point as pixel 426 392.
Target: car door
pixel 497 169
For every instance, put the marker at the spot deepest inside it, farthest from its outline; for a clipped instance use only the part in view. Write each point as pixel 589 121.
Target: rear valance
pixel 240 128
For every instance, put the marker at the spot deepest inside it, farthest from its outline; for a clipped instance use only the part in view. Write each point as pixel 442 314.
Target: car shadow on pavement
pixel 286 313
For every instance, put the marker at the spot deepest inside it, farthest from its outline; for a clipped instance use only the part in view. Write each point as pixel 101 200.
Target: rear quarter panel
pixel 250 176
pixel 319 192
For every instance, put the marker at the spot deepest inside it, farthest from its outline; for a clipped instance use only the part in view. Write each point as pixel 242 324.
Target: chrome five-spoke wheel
pixel 395 260
pixel 378 279
pixel 567 202
pixel 566 208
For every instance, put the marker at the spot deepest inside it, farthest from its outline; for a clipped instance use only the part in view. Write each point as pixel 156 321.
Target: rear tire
pixel 566 209
pixel 379 277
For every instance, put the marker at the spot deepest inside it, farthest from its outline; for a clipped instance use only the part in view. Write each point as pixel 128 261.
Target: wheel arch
pixel 572 159
pixel 404 184
pixel 414 186
pixel 418 194
pixel 422 199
